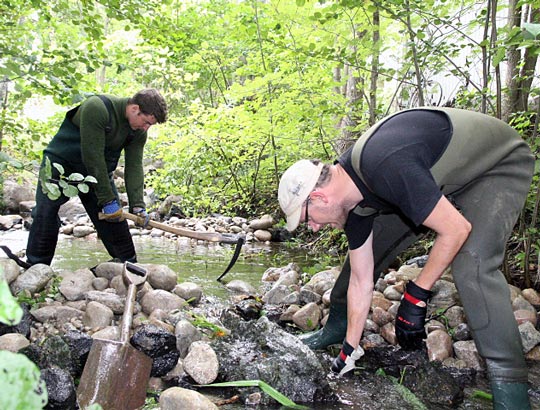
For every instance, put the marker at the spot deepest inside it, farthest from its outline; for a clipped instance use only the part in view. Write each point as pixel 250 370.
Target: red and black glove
pixel 344 362
pixel 411 317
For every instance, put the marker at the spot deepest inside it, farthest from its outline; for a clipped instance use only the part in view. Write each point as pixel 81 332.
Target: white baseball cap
pixel 295 186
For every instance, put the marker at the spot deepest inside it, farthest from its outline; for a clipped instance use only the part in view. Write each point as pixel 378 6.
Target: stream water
pixel 203 263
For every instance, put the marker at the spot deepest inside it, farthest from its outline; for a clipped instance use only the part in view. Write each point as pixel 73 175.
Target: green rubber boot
pixel 510 396
pixel 333 331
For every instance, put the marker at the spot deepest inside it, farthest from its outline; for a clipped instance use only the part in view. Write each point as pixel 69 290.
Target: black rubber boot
pixel 333 331
pixel 510 396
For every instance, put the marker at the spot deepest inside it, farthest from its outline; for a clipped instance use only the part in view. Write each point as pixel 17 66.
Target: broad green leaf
pixel 71 191
pixel 63 184
pixel 51 190
pixel 499 56
pixel 10 311
pixel 76 177
pixel 22 387
pixel 59 167
pixel 532 30
pixel 90 179
pixel 83 188
pixel 276 395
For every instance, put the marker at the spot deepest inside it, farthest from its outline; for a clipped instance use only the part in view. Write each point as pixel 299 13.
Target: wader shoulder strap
pixel 108 104
pixel 355 162
pixel 108 128
pixel 358 147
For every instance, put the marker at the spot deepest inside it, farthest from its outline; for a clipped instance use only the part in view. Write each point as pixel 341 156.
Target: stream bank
pixel 385 379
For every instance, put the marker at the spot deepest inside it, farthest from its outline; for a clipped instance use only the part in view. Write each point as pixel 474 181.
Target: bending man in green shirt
pixel 90 142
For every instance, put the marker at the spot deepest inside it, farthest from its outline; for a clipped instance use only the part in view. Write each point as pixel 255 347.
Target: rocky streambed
pixel 196 339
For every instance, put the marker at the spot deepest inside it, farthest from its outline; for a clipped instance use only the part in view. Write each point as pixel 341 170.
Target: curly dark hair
pixel 151 102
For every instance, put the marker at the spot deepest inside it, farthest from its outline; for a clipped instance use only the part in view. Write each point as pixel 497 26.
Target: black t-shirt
pixel 395 164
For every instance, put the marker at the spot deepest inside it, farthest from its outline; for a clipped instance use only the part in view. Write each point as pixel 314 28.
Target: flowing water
pixel 201 262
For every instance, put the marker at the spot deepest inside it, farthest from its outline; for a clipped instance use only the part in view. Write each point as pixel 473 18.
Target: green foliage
pixel 22 388
pixel 52 291
pixel 201 322
pixel 69 186
pixel 252 86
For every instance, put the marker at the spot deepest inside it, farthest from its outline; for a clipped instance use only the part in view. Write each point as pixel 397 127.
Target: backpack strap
pixel 108 104
pixel 108 128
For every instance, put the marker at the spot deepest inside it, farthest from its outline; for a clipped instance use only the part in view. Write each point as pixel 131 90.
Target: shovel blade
pixel 115 376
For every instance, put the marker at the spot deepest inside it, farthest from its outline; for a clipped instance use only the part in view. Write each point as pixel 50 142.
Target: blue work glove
pixel 112 212
pixel 142 217
pixel 411 317
pixel 346 359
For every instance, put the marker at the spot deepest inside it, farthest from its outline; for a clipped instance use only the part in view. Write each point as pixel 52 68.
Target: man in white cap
pixel 461 174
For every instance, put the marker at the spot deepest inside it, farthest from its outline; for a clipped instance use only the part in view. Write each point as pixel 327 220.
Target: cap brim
pixel 293 219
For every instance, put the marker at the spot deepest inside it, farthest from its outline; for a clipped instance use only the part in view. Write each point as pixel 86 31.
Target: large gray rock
pixel 176 398
pixel 33 280
pixel 108 270
pixel 262 350
pixel 9 270
pixel 189 291
pixel 72 210
pixel 15 193
pixel 201 363
pixel 97 315
pixel 161 277
pixel 56 313
pixel 111 300
pixel 75 284
pixel 161 299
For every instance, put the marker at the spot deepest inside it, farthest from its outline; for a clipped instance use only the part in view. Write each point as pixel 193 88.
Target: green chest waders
pixel 43 236
pixel 487 168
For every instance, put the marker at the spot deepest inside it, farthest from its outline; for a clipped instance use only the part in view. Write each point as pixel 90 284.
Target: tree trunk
pixel 374 68
pixel 520 70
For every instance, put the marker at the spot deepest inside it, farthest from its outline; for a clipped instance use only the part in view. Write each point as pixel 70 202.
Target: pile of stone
pixel 449 338
pixel 76 223
pixel 174 324
pixel 194 339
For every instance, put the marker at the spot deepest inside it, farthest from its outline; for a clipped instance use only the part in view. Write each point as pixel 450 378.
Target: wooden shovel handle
pixel 204 236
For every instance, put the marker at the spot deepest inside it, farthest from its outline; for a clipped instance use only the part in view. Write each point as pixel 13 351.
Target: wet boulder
pixel 79 345
pixel 60 389
pixel 429 381
pixel 54 351
pixel 434 385
pixel 261 350
pixel 158 344
pixel 33 280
